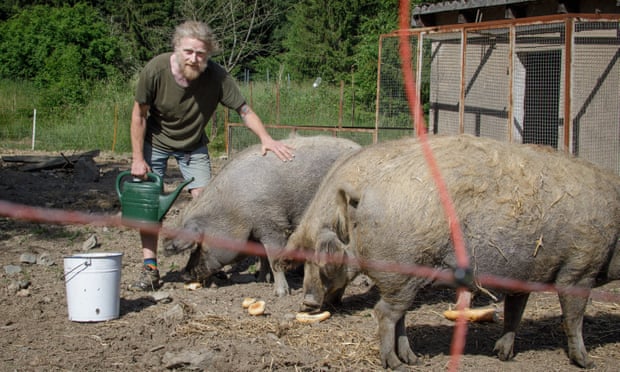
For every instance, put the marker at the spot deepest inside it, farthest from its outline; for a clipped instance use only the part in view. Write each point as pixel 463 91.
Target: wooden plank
pixel 26 158
pixel 51 163
pixel 45 158
pixel 38 162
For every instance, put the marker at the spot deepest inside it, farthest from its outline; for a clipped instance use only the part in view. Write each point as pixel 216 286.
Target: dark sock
pixel 150 263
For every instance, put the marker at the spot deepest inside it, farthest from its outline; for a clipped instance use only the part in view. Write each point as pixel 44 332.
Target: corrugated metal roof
pixel 445 6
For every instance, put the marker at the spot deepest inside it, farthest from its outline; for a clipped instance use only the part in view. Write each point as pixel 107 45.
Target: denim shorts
pixel 195 164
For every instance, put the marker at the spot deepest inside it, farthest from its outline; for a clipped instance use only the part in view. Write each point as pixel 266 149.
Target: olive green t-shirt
pixel 178 115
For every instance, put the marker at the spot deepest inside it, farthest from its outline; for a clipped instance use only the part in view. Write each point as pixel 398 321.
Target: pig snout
pixel 314 291
pixel 195 274
pixel 313 302
pixel 310 304
pixel 196 268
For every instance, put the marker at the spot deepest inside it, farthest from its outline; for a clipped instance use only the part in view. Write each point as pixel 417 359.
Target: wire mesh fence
pixel 550 80
pixel 304 110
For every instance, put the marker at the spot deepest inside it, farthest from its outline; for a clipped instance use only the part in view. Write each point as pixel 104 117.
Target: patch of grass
pixel 253 268
pixel 103 122
pixel 55 232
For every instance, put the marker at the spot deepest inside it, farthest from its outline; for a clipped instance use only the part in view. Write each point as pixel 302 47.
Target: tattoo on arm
pixel 244 110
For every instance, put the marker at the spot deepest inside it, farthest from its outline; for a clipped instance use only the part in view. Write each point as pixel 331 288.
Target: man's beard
pixel 190 72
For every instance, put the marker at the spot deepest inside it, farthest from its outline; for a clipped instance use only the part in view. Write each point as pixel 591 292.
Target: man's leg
pixel 196 164
pixel 149 278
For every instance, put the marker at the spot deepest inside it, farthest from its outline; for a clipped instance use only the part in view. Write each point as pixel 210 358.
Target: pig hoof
pixel 409 357
pixel 504 347
pixel 282 292
pixel 582 360
pixel 394 363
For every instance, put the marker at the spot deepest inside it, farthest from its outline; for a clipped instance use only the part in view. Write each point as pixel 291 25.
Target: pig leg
pixel 393 336
pixel 514 304
pixel 280 284
pixel 573 308
pixel 264 269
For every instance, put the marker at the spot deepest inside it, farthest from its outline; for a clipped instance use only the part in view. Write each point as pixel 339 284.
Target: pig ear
pixel 330 250
pixel 286 260
pixel 347 200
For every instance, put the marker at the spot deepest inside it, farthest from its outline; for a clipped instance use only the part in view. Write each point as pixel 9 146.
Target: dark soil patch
pixel 207 329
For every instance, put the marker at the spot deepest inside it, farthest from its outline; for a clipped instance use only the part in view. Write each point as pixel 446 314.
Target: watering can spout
pixel 165 201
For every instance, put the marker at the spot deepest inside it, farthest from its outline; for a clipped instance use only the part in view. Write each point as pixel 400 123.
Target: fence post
pixel 277 103
pixel 341 105
pixel 34 127
pixel 115 125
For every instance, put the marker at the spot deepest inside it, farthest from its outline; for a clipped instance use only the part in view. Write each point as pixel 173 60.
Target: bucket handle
pixel 86 263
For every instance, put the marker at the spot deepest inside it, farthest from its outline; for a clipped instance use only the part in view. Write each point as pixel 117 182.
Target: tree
pixel 324 36
pixel 339 41
pixel 320 38
pixel 147 25
pixel 61 49
pixel 380 18
pixel 243 27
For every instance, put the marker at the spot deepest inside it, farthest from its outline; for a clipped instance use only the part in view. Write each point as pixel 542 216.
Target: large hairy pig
pixel 256 198
pixel 525 214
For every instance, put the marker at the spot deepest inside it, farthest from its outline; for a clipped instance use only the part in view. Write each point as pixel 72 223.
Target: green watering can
pixel 143 200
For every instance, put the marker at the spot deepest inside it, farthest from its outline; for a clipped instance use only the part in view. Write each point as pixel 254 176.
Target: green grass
pixel 301 104
pixel 87 127
pixel 103 122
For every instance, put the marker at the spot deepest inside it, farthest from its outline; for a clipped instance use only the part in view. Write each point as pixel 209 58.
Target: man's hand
pixel 252 121
pixel 139 169
pixel 282 150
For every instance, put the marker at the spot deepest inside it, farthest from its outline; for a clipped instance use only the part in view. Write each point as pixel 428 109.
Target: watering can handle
pixel 126 173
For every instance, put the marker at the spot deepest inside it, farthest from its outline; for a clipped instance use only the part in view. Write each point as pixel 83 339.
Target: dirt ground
pixel 207 329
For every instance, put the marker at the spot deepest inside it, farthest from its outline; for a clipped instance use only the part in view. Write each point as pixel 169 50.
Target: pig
pixel 525 213
pixel 256 198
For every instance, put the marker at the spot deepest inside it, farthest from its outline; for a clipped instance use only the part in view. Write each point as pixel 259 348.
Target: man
pixel 176 95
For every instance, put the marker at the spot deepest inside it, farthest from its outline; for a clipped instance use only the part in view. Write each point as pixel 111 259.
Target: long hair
pixel 196 30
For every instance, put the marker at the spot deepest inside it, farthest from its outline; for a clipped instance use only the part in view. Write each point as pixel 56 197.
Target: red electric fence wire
pixel 63 217
pixel 460 331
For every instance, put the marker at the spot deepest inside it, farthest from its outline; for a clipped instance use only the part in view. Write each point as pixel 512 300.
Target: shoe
pixel 148 281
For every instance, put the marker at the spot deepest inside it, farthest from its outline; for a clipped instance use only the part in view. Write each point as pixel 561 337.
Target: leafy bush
pixel 62 49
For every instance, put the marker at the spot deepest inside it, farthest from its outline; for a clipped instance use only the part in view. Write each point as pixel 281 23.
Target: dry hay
pixel 330 343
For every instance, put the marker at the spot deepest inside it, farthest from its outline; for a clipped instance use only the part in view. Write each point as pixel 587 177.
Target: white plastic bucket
pixel 93 282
